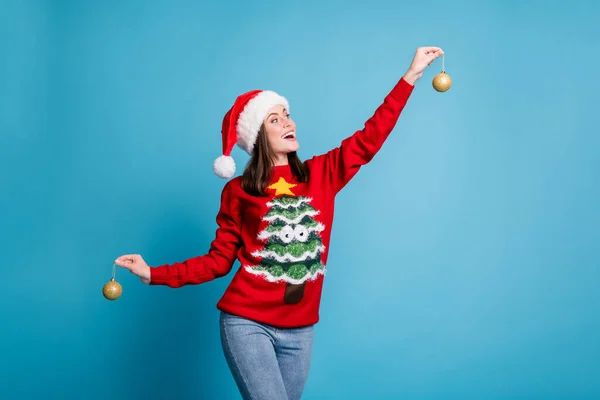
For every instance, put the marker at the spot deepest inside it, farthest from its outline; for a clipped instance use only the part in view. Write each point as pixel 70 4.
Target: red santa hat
pixel 241 125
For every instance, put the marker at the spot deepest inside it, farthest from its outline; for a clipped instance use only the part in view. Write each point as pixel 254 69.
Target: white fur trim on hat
pixel 252 117
pixel 224 166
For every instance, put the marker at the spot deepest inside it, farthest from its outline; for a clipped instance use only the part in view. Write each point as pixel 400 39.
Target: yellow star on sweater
pixel 282 187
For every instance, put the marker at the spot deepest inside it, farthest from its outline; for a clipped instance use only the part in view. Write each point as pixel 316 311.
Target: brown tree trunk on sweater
pixel 293 293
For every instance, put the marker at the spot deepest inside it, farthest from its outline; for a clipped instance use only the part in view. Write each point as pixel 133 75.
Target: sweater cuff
pixel 402 90
pixel 158 275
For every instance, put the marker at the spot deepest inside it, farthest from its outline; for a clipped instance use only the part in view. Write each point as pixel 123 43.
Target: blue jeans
pixel 267 363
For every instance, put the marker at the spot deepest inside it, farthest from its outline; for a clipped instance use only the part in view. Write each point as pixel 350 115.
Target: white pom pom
pixel 224 166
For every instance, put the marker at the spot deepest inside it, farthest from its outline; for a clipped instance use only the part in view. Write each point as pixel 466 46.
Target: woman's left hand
pixel 424 56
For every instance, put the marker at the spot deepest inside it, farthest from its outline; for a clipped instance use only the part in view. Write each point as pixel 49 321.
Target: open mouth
pixel 291 136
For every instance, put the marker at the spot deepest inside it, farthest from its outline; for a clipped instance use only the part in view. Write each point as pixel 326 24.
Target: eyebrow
pixel 284 110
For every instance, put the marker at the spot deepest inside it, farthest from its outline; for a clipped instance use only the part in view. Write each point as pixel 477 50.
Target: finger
pixel 430 49
pixel 432 56
pixel 127 257
pixel 125 265
pixel 123 261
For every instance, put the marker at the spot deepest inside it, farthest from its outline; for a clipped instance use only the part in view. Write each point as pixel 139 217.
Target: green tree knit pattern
pixel 293 248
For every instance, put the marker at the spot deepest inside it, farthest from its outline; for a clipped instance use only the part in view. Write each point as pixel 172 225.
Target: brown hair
pixel 257 174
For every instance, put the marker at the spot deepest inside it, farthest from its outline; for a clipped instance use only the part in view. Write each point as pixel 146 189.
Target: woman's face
pixel 281 131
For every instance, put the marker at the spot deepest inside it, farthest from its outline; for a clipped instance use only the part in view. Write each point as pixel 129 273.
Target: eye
pixel 286 234
pixel 301 233
pixel 273 120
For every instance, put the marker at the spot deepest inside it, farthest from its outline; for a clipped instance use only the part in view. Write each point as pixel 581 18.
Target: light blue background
pixel 464 260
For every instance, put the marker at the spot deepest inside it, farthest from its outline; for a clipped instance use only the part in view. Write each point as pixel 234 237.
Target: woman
pixel 276 220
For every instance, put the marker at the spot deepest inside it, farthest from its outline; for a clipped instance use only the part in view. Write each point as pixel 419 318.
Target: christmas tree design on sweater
pixel 293 248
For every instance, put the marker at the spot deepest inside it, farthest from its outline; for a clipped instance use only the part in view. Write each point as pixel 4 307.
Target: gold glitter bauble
pixel 442 82
pixel 112 290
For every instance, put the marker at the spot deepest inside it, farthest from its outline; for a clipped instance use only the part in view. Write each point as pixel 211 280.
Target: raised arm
pixel 342 163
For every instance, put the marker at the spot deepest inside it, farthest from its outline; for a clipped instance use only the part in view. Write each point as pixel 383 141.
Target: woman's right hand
pixel 136 265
